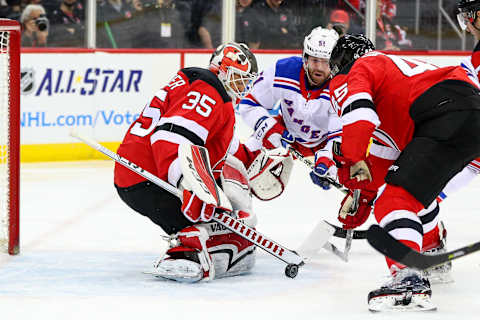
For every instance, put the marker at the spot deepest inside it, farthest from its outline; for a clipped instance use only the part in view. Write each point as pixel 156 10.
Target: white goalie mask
pixel 319 43
pixel 235 66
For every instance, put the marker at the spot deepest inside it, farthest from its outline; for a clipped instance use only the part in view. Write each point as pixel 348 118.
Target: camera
pixel 42 22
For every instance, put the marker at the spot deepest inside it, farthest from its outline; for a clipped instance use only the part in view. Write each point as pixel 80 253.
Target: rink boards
pixel 103 92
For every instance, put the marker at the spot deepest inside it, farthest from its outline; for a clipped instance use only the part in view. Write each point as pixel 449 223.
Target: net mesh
pixel 4 139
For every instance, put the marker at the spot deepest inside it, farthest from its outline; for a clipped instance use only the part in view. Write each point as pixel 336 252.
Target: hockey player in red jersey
pixel 430 115
pixel 195 107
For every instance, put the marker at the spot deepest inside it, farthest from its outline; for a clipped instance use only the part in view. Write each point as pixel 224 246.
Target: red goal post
pixel 10 34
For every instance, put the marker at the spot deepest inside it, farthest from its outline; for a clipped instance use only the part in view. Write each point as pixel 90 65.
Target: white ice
pixel 83 252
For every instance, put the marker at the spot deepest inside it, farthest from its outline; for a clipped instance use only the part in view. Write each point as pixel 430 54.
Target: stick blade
pixel 316 239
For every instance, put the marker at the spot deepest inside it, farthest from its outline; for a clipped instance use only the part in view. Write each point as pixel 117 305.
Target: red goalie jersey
pixel 193 108
pixel 380 86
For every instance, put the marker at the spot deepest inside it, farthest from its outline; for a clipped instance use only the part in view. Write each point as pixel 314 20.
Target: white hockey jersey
pixel 306 113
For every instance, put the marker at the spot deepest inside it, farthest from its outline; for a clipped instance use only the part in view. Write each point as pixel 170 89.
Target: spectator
pixel 390 36
pixel 203 21
pixel 67 25
pixel 158 26
pixel 244 20
pixel 11 9
pixel 309 14
pixel 340 21
pixel 273 26
pixel 34 26
pixel 113 24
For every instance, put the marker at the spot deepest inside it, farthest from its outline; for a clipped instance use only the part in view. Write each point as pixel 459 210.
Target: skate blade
pixel 173 277
pixel 389 304
pixel 444 279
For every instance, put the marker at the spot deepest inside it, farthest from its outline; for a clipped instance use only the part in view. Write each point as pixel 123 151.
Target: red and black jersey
pixel 377 91
pixel 193 108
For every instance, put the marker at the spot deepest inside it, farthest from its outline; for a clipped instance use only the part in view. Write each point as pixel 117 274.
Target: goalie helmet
pixel 348 49
pixel 467 12
pixel 236 66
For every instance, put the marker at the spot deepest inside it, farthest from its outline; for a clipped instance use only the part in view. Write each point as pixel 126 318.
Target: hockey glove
pixel 352 218
pixel 271 133
pixel 196 210
pixel 324 170
pixel 353 175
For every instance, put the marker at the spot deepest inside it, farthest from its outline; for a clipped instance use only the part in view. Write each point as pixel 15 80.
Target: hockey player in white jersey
pixel 300 85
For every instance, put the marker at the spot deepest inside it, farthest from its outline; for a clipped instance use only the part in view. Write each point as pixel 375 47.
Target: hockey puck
pixel 291 270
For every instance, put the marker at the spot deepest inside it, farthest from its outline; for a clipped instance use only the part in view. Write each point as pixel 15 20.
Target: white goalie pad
pixel 269 173
pixel 235 184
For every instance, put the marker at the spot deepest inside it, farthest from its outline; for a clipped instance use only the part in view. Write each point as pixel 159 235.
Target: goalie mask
pixel 467 12
pixel 348 49
pixel 235 66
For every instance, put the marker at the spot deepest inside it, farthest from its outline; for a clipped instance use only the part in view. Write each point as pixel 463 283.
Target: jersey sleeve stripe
pixel 181 131
pixel 192 126
pixel 161 94
pixel 357 104
pixel 287 87
pixel 366 114
pixel 355 97
pixel 249 102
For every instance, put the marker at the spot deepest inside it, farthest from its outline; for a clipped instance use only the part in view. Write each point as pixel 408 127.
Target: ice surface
pixel 83 252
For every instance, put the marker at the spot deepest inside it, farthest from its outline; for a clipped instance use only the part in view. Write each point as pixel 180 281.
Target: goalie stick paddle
pixel 293 260
pixel 390 247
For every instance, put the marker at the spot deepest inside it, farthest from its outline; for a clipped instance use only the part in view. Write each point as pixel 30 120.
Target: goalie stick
pixel 383 242
pixel 293 260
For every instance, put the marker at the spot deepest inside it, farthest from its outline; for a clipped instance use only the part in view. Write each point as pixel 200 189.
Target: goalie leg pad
pixel 269 175
pixel 207 251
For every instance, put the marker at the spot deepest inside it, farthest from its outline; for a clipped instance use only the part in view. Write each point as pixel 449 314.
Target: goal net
pixel 9 135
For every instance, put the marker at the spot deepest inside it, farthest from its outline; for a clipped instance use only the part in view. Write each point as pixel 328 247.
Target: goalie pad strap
pixel 189 135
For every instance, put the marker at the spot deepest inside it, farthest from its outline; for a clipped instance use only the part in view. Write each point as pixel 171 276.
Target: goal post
pixel 10 34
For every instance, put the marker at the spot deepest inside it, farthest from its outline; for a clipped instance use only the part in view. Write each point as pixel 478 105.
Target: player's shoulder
pixel 194 74
pixel 367 61
pixel 289 67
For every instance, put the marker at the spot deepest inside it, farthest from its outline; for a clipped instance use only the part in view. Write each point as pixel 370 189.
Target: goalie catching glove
pixel 352 217
pixel 269 173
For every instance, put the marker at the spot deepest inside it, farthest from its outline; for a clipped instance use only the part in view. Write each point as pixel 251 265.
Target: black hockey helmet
pixel 349 48
pixel 467 11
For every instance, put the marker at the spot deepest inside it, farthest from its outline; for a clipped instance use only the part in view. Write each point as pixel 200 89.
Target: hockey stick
pixel 390 247
pixel 311 165
pixel 339 232
pixel 293 260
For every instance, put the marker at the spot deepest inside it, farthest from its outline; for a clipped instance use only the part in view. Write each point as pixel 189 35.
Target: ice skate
pixel 406 291
pixel 442 273
pixel 179 264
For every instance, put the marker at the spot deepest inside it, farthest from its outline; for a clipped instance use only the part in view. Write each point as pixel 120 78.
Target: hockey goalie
pixel 195 109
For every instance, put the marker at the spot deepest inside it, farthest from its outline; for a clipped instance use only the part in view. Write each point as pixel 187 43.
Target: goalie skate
pixel 181 270
pixel 407 291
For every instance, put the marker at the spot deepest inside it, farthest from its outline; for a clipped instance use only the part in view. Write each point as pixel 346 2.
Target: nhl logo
pixel 27 82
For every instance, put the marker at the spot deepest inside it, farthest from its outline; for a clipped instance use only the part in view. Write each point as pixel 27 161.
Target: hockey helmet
pixel 348 49
pixel 467 12
pixel 319 43
pixel 236 66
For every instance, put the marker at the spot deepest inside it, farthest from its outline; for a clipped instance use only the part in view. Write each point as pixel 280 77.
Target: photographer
pixel 34 26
